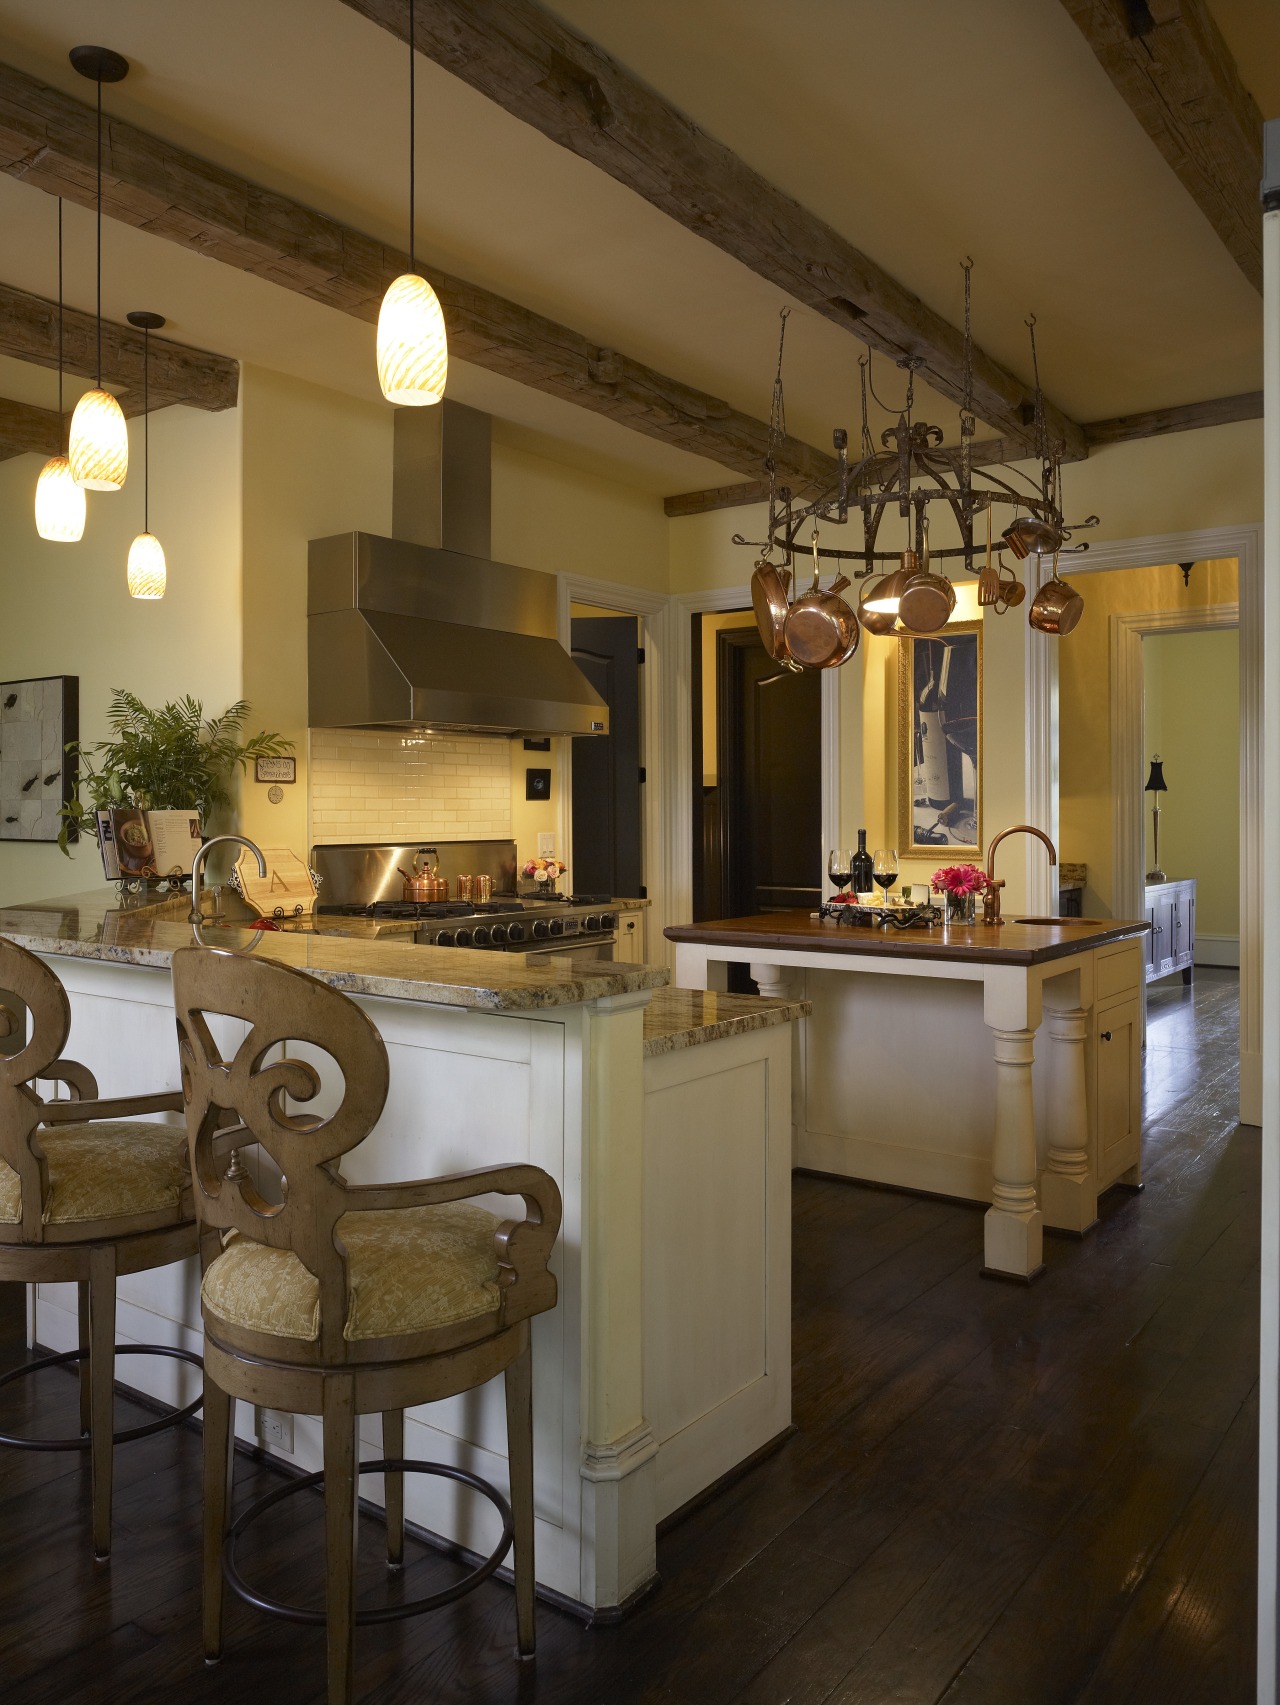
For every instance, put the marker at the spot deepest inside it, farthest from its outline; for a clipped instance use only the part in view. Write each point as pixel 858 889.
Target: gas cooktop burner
pixel 411 910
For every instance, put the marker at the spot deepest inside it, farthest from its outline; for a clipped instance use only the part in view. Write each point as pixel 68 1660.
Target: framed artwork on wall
pixel 37 773
pixel 940 741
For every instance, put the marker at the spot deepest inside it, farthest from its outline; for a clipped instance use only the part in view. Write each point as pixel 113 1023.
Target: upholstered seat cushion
pixel 104 1171
pixel 408 1270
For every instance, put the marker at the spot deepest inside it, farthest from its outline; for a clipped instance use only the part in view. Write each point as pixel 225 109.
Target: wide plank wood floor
pixel 994 1496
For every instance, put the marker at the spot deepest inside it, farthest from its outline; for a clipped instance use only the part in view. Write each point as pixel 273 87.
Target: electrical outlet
pixel 275 1429
pixel 546 846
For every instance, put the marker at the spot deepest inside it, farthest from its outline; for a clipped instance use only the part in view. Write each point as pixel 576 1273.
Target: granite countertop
pixel 1029 942
pixel 683 1018
pixel 98 926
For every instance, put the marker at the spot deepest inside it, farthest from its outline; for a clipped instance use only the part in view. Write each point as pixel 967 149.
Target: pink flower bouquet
pixel 546 870
pixel 960 880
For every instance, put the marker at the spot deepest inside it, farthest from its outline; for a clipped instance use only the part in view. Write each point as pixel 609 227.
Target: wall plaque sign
pixel 275 769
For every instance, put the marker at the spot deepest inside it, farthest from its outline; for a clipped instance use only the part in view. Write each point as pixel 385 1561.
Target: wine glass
pixel 840 868
pixel 884 869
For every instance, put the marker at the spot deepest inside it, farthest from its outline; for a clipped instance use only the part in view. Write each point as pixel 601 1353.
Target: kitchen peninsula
pixel 663 1117
pixel 917 1066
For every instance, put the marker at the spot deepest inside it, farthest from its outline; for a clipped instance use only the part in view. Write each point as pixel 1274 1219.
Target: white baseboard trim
pixel 1217 950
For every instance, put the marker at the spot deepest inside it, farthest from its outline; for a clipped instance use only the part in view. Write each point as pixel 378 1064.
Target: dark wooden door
pixel 769 739
pixel 606 768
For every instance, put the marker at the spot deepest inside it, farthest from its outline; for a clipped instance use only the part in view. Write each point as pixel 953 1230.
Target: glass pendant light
pixel 413 348
pixel 147 573
pixel 60 501
pixel 99 445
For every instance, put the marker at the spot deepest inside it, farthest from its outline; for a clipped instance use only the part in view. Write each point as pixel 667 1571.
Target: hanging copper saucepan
pixel 927 598
pixel 886 588
pixel 821 628
pixel 1027 535
pixel 770 588
pixel 1056 607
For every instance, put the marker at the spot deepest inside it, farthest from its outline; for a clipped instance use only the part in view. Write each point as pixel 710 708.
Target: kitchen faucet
pixel 206 847
pixel 991 898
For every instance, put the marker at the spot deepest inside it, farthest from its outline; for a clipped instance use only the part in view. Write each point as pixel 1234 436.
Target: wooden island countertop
pixel 1010 943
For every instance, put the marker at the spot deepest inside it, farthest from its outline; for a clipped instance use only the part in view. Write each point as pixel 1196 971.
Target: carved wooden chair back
pixel 249 1092
pixel 26 981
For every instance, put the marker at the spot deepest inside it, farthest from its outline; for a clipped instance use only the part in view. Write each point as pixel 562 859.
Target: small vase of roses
pixel 546 872
pixel 960 885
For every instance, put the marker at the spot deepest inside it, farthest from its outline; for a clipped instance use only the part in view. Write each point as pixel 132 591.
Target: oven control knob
pixel 591 924
pixel 515 932
pixel 541 930
pixel 608 921
pixel 498 933
pixel 556 926
pixel 482 936
pixel 446 938
pixel 463 938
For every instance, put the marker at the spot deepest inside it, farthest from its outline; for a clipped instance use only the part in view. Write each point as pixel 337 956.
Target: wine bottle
pixel 862 866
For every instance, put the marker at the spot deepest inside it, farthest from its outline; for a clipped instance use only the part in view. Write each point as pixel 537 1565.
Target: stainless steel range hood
pixel 423 632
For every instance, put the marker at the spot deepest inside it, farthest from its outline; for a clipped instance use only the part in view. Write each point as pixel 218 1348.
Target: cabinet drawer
pixel 1119 969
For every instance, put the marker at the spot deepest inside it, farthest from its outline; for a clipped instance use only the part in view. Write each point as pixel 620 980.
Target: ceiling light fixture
pixel 99 443
pixel 60 502
pixel 913 474
pixel 147 573
pixel 413 347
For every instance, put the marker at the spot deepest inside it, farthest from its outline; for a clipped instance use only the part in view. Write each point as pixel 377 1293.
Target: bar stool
pixel 87 1193
pixel 341 1300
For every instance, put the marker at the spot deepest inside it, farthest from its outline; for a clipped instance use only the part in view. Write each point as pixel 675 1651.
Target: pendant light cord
pixel 413 152
pixel 60 310
pixel 146 429
pixel 99 233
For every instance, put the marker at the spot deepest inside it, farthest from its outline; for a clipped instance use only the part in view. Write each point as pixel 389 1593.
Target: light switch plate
pixel 546 845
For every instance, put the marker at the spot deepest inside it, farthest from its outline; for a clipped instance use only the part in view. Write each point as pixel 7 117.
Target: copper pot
pixel 1028 535
pixel 887 589
pixel 927 599
pixel 821 629
pixel 1056 607
pixel 769 600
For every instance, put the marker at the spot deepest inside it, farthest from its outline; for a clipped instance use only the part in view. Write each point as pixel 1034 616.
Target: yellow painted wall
pixel 1192 717
pixel 1086 811
pixel 315 463
pixel 66 610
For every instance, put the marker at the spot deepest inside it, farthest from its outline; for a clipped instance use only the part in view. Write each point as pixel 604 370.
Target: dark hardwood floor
pixel 995 1496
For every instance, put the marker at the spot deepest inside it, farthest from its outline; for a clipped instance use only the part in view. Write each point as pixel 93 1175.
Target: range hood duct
pixel 423 633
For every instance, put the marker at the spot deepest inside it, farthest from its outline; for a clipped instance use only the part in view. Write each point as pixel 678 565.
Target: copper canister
pixel 465 885
pixel 483 889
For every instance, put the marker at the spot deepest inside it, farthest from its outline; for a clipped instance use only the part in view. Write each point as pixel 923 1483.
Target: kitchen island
pixel 917 1065
pixel 665 1120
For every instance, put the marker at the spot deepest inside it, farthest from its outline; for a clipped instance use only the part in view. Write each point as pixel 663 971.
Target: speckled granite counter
pixel 683 1018
pixel 96 926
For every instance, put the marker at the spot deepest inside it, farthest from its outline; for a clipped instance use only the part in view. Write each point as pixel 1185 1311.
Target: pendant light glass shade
pixel 99 446
pixel 413 350
pixel 147 572
pixel 60 503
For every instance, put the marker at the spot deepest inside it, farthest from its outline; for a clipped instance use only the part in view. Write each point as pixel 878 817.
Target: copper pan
pixel 927 598
pixel 769 599
pixel 1056 607
pixel 1028 535
pixel 821 629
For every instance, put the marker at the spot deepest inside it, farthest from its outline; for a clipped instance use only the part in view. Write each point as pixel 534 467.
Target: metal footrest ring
pixel 388 1613
pixel 82 1440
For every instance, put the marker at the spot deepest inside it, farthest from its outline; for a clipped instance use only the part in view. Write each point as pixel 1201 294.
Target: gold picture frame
pixel 935 744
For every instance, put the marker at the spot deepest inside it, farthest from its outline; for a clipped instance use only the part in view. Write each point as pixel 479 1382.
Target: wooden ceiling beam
pixel 48 139
pixel 531 65
pixel 1123 429
pixel 1169 60
pixel 25 429
pixel 178 373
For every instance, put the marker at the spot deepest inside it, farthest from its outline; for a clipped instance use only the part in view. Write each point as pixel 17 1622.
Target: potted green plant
pixel 170 758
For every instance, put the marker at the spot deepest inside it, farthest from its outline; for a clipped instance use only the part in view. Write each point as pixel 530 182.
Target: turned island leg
pixel 1013 1236
pixel 1069 1186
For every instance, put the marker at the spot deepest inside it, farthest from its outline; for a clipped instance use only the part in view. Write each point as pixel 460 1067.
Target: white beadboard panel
pixel 375 786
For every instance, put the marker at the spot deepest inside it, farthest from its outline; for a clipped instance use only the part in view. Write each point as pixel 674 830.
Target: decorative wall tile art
pixel 37 774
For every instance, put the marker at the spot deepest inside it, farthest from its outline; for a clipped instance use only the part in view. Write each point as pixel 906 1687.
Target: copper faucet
pixel 991 898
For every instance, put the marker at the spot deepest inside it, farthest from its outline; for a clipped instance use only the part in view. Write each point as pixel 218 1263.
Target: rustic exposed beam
pixel 573 92
pixel 24 429
pixel 1155 423
pixel 178 373
pixel 1169 60
pixel 48 139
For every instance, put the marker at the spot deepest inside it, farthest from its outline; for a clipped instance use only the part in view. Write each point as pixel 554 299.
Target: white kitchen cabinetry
pixel 1171 912
pixel 630 946
pixel 1116 1066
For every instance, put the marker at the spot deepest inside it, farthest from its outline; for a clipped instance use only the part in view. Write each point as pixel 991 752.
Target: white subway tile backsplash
pixel 371 786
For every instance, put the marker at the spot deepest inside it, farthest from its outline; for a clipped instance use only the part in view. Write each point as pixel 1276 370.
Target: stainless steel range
pixel 365 880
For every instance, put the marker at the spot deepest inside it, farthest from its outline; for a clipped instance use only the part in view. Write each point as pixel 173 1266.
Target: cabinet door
pixel 629 948
pixel 1117 1041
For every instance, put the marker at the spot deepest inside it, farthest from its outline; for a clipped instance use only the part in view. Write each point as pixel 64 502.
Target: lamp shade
pixel 1156 781
pixel 147 573
pixel 99 444
pixel 60 503
pixel 413 349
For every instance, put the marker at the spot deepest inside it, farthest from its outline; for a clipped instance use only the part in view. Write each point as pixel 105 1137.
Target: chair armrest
pixel 78 1079
pixel 118 1107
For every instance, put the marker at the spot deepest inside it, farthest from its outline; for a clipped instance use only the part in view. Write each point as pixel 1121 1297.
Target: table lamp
pixel 1156 785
